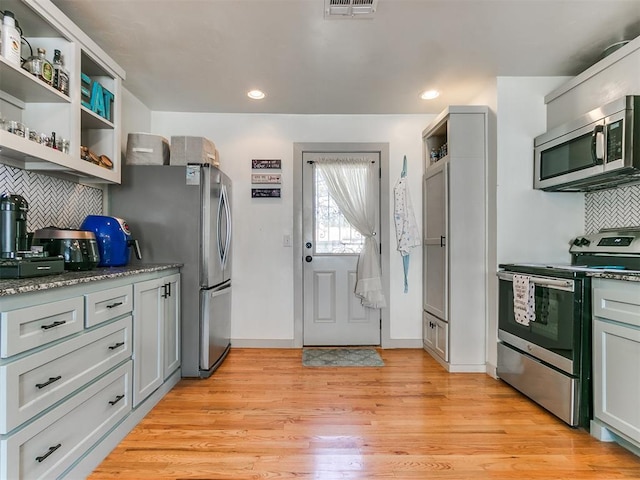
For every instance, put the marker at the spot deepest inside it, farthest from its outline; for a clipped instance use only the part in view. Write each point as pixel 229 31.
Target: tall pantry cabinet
pixel 455 238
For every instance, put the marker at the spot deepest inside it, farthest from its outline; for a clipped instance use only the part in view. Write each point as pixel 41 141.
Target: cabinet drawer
pixel 48 446
pixel 617 300
pixel 38 381
pixel 108 304
pixel 26 328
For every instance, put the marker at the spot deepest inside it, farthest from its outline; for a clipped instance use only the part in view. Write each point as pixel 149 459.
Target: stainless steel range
pixel 544 322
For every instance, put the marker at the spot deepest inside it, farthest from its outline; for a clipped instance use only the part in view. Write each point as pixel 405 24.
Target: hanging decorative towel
pixel 407 231
pixel 524 302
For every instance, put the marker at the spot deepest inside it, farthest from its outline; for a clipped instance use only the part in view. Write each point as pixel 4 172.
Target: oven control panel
pixel 608 241
pixel 615 242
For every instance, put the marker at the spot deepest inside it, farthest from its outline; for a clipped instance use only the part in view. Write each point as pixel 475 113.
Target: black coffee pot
pixel 13 225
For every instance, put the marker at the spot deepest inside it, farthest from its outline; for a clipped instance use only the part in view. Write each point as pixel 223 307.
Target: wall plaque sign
pixel 258 164
pixel 265 193
pixel 265 178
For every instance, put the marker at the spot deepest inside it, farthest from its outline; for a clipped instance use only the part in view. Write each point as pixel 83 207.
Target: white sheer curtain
pixel 349 183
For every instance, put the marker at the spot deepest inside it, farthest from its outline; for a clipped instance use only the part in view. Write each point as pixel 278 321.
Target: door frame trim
pixel 298 297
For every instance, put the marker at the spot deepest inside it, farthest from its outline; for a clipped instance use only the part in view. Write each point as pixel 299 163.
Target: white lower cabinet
pixel 171 358
pixel 47 447
pixel 616 357
pixel 436 335
pixel 36 382
pixel 22 329
pixel 156 336
pixel 75 362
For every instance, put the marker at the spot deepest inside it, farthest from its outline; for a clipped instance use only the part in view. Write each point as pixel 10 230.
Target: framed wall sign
pixel 265 193
pixel 265 178
pixel 258 164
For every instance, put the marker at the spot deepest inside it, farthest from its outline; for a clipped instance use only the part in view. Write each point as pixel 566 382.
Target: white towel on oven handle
pixel 524 303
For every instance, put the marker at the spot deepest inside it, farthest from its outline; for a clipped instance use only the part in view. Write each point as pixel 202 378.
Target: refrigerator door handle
pixel 227 208
pixel 221 246
pixel 223 208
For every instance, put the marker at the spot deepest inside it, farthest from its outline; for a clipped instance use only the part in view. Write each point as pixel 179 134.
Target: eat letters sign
pixel 95 97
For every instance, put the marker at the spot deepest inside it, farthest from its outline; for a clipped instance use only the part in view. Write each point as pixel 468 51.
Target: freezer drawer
pixel 215 327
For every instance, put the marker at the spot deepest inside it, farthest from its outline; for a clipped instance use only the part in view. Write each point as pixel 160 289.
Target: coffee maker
pixel 13 225
pixel 16 260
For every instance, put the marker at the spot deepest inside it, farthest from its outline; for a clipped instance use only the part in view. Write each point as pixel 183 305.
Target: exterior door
pixel 435 241
pixel 333 314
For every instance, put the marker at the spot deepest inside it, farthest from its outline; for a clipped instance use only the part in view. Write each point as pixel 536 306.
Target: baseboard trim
pixel 99 452
pixel 492 370
pixel 458 368
pixel 262 343
pixel 290 343
pixel 402 343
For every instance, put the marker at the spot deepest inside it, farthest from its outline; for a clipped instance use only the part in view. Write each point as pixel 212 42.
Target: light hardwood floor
pixel 263 415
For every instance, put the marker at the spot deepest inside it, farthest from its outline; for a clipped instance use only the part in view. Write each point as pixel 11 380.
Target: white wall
pixel 531 225
pixel 136 117
pixel 262 267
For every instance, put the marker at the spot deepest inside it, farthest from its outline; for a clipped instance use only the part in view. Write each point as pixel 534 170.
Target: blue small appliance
pixel 114 239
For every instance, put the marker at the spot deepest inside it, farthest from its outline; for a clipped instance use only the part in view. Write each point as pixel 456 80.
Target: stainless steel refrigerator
pixel 183 214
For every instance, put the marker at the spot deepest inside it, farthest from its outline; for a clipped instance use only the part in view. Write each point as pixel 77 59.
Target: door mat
pixel 341 357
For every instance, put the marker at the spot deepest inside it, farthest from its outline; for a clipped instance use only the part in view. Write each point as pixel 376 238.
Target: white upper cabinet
pixel 88 117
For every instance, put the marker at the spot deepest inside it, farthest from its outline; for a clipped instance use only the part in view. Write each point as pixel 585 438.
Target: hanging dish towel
pixel 524 302
pixel 407 232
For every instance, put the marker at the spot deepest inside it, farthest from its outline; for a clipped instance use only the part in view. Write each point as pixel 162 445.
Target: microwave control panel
pixel 614 141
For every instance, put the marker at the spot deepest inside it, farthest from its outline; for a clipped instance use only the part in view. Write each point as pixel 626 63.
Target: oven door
pixel 554 336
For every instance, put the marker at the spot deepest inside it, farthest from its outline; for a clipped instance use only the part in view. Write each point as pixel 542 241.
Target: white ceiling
pixel 204 55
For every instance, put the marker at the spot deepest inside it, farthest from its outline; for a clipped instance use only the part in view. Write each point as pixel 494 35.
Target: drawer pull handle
pixel 114 305
pixel 113 347
pixel 118 398
pixel 51 380
pixel 51 450
pixel 54 324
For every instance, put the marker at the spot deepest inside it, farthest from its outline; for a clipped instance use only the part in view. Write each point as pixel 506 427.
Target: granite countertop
pixel 66 279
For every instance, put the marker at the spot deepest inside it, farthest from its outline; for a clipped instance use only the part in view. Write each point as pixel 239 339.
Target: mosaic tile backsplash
pixel 52 201
pixel 618 207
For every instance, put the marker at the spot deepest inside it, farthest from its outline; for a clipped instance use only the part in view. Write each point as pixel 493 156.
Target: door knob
pixel 308 258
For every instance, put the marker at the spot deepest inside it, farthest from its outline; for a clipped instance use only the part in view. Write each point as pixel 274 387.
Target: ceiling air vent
pixel 350 8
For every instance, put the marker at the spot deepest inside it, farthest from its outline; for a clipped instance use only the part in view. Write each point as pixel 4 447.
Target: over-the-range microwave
pixel 601 149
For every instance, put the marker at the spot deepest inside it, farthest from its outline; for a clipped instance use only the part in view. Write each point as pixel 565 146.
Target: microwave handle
pixel 597 145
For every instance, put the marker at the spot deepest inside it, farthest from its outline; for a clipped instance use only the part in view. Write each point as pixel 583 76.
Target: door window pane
pixel 333 234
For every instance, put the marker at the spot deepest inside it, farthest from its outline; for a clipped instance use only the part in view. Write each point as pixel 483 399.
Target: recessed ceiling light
pixel 256 94
pixel 429 94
